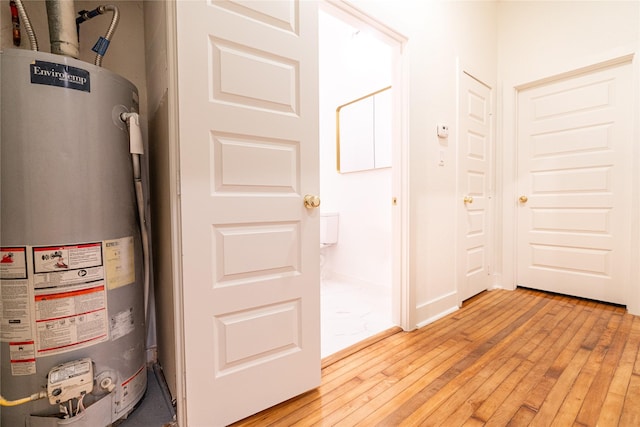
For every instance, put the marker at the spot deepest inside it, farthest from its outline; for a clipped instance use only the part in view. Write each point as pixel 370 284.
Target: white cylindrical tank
pixel 71 271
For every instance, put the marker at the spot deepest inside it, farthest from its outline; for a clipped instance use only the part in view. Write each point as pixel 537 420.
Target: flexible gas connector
pixel 27 25
pixel 100 48
pixel 35 396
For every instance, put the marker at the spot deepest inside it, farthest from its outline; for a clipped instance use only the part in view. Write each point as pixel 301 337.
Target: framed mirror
pixel 363 133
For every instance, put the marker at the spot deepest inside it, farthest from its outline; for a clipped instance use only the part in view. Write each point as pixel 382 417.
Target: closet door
pixel 475 181
pixel 575 151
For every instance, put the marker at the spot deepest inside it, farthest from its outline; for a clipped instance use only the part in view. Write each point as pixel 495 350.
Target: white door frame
pixel 508 154
pixel 174 203
pixel 403 294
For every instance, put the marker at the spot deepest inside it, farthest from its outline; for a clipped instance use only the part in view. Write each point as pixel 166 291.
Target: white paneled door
pixel 475 165
pixel 248 115
pixel 574 184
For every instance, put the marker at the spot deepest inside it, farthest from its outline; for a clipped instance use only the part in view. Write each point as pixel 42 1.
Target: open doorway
pixel 357 265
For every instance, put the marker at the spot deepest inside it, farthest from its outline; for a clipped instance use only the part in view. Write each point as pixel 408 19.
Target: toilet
pixel 328 236
pixel 328 229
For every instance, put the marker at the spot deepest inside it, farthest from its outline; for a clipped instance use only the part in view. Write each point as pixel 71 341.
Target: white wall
pixel 439 33
pixel 352 66
pixel 538 40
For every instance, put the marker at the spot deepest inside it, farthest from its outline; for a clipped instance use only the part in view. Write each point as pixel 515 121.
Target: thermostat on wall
pixel 443 130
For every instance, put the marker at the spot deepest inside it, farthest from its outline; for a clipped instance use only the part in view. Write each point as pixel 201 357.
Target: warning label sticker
pixel 59 258
pixel 133 387
pixel 13 263
pixel 68 277
pixel 15 307
pixel 71 319
pixel 122 324
pixel 15 304
pixel 23 358
pixel 54 298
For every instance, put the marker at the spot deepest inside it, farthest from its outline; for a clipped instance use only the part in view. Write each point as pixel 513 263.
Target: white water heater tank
pixel 71 268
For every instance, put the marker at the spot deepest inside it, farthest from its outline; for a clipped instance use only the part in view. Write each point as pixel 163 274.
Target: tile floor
pixel 351 313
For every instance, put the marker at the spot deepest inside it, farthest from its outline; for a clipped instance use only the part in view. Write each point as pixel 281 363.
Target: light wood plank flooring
pixel 506 358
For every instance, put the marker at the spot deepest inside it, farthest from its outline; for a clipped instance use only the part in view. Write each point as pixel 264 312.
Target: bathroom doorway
pixel 357 265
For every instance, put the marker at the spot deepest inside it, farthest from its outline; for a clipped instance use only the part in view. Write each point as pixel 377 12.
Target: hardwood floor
pixel 506 358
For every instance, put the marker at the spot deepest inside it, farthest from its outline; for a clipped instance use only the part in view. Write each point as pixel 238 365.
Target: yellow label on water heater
pixel 120 262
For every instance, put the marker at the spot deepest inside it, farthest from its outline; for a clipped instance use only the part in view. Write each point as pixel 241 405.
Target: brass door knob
pixel 467 199
pixel 311 201
pixel 523 199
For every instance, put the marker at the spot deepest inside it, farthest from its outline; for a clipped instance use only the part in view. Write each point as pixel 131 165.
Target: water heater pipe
pixel 62 28
pixel 33 41
pixel 143 232
pixel 101 47
pixel 136 147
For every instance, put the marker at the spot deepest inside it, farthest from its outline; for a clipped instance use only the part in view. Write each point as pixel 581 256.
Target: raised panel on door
pixel 575 146
pixel 248 155
pixel 474 181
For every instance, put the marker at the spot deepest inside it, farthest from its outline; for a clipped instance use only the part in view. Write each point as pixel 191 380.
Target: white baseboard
pixel 435 309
